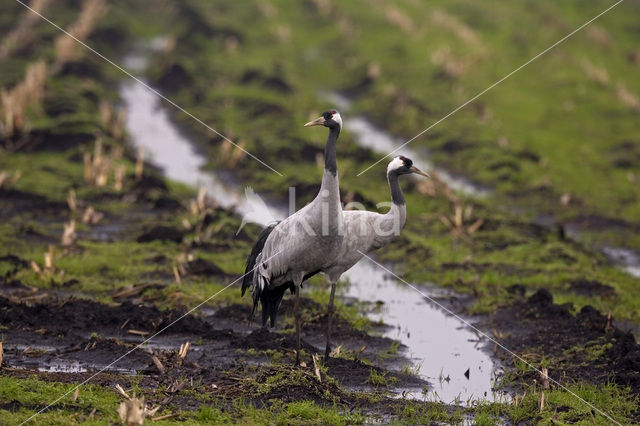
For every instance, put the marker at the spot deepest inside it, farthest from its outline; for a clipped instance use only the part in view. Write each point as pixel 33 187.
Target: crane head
pixel 403 166
pixel 329 118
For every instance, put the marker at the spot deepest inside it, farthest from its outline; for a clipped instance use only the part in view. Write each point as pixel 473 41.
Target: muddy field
pixel 121 250
pixel 53 336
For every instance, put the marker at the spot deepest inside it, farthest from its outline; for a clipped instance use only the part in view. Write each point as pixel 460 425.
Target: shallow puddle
pixel 441 346
pixel 627 259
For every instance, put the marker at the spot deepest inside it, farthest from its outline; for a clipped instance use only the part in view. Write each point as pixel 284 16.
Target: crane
pixel 288 252
pixel 366 231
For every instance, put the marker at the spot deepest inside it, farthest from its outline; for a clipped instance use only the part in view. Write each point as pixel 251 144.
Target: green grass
pixel 380 379
pixel 561 406
pixel 35 394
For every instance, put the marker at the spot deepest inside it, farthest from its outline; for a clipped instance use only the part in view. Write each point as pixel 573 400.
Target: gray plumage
pixel 303 243
pixel 366 231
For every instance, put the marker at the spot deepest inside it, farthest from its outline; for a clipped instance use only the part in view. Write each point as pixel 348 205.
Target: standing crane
pixel 301 245
pixel 366 231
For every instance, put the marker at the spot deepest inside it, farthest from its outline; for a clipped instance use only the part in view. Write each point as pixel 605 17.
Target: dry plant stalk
pixel 517 399
pixel 202 199
pixel 158 364
pixel 49 260
pixel 431 187
pixel 427 187
pixel 14 102
pixel 314 357
pixel 112 121
pixel 595 73
pixel 544 378
pixel 599 35
pixel 627 97
pixel 105 110
pixel 118 181
pixel 66 47
pixel 184 349
pixel 336 351
pixel 98 167
pixel 6 178
pixel 325 7
pixel 457 27
pixel 238 154
pixel 267 9
pixel 22 31
pixel 140 163
pixel 225 149
pixel 456 221
pixel 69 235
pixel 283 32
pixel 102 178
pixel 199 204
pixel 88 170
pixel 1 353
pixel 451 66
pixel 133 410
pixel 401 20
pixel 117 125
pixel 164 417
pixel 36 268
pixel 176 275
pixel 91 216
pixel 360 351
pixel 72 201
pixel 193 207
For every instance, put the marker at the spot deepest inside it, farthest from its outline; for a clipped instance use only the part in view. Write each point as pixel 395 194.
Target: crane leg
pixel 298 325
pixel 330 311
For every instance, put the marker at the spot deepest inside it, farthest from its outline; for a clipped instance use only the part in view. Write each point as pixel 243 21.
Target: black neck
pixel 330 163
pixel 396 193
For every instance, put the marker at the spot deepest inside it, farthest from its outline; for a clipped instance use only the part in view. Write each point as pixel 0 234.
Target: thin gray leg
pixel 330 311
pixel 298 325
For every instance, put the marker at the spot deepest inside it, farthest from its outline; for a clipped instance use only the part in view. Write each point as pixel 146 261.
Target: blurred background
pixel 556 144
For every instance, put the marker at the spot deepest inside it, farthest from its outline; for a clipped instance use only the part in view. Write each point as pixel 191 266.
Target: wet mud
pixel 50 333
pixel 583 346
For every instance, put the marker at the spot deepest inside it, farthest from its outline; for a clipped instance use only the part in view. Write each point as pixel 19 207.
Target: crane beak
pixel 416 170
pixel 317 122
